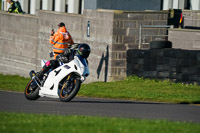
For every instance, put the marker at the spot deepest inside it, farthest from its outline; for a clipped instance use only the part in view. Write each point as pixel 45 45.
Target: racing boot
pixel 41 73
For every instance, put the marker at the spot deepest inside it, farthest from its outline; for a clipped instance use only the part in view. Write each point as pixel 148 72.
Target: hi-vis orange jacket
pixel 61 39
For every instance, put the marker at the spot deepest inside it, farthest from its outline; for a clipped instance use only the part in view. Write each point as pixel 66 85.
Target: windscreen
pixel 83 60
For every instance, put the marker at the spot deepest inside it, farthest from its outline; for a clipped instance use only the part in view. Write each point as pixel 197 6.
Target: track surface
pixel 16 102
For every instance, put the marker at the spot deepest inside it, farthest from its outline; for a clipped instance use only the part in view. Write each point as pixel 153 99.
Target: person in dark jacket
pixel 15 7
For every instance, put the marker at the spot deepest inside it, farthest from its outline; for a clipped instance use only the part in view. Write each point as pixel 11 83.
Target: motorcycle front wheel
pixel 69 89
pixel 31 91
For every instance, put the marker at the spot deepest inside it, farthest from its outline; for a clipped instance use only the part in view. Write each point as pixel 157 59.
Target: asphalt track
pixel 16 102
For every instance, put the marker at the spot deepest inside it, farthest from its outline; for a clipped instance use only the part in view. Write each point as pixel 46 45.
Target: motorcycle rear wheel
pixel 69 89
pixel 31 93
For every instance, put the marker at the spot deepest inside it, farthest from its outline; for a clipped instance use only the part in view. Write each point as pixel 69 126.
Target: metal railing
pixel 150 26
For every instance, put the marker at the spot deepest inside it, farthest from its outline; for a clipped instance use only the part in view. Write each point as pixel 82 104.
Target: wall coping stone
pixel 21 15
pixel 184 30
pixel 121 11
pixel 191 11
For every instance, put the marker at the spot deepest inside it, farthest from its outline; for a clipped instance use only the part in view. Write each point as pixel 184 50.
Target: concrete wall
pixel 185 38
pixel 191 18
pixel 174 64
pixel 127 5
pixel 101 32
pixel 24 39
pixel 18 43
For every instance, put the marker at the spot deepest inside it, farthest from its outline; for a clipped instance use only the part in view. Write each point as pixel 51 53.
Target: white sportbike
pixel 63 82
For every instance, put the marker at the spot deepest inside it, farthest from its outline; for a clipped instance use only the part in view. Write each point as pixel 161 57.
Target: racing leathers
pixel 65 57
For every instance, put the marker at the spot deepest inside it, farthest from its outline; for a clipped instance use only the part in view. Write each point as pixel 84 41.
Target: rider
pixel 67 56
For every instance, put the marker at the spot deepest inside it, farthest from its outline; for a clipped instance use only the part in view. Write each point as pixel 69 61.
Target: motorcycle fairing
pixel 50 87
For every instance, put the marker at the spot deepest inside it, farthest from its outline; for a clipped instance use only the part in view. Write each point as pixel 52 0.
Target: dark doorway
pixel 80 7
pixel 29 6
pixel 161 5
pixel 40 4
pixel 66 7
pixel 53 5
pixel 187 4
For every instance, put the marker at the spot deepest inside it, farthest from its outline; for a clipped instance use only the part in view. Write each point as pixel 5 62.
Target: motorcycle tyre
pixel 160 44
pixel 72 93
pixel 31 96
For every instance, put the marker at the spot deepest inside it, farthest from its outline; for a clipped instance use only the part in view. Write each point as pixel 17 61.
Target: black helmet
pixel 84 50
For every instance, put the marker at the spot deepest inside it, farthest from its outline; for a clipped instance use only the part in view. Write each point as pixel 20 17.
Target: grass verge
pixel 38 123
pixel 133 88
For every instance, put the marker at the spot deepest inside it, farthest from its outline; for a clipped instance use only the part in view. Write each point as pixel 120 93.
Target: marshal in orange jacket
pixel 61 40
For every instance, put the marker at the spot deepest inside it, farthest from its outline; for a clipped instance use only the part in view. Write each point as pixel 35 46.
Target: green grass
pixel 133 88
pixel 38 123
pixel 13 82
